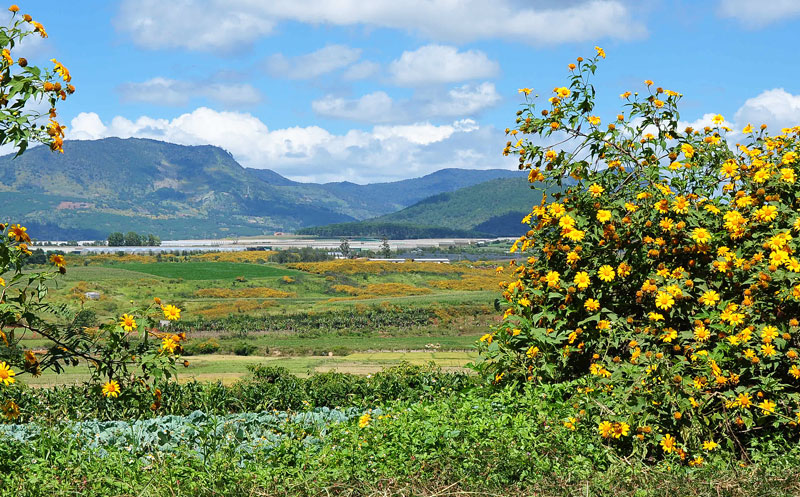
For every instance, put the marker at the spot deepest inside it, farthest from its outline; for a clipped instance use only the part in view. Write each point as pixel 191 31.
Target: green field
pixel 208 270
pixel 230 368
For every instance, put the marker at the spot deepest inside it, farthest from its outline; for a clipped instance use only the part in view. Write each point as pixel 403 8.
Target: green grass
pixel 208 270
pixel 229 368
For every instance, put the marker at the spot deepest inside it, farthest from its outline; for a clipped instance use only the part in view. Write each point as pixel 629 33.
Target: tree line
pixel 133 239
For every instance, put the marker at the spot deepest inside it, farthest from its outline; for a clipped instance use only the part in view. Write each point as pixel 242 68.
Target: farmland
pixel 240 310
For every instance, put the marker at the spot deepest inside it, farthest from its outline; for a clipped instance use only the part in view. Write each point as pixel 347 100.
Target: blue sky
pixel 383 90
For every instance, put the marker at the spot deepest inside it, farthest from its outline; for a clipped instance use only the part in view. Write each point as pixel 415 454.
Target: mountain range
pixel 491 208
pixel 177 191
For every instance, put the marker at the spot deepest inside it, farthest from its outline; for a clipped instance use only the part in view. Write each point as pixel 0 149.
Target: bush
pixel 209 346
pixel 244 348
pixel 663 275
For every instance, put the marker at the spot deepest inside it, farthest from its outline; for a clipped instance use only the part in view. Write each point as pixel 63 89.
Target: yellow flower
pixel 6 374
pixel 487 338
pixel 648 82
pixel 596 190
pixel 18 233
pixel 591 305
pixel 747 129
pixel 687 150
pixel 744 400
pixel 58 260
pixel 364 420
pixel 552 278
pixel 600 52
pixel 767 350
pixel 582 280
pixel 171 312
pixel 526 91
pixel 594 120
pixel 729 168
pixel 709 298
pixel 111 389
pixel 664 301
pixel 127 322
pixel 603 215
pixel 718 119
pixel 669 335
pixel 710 445
pixel 795 371
pixel 767 407
pixel 655 316
pixel 169 345
pixel 532 352
pixel 631 207
pixel 570 423
pixel 701 236
pixel 61 70
pixel 769 333
pixel 562 92
pixel 37 27
pixel 788 176
pixel 668 443
pixel 606 273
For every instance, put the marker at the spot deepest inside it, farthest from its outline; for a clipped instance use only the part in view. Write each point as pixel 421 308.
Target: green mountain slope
pixel 494 208
pixel 177 191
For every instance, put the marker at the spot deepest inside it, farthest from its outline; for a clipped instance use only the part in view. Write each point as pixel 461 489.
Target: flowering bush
pixel 118 353
pixel 663 278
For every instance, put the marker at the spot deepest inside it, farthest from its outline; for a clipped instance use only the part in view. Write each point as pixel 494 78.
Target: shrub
pixel 663 275
pixel 244 348
pixel 209 346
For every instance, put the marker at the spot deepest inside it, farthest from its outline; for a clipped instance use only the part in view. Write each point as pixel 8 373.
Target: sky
pixel 335 90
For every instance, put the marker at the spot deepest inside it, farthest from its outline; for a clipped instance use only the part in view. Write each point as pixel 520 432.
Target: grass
pixel 229 368
pixel 208 270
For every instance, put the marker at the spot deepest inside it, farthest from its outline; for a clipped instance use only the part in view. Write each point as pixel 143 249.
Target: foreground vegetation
pixel 407 431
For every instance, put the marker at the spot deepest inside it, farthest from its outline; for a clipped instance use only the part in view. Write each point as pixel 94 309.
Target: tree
pixel 132 239
pixel 386 250
pixel 344 248
pixel 116 239
pixel 153 240
pixel 116 352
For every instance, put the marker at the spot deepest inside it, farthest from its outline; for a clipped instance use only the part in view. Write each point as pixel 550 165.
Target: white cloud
pixel 465 100
pixel 228 24
pixel 755 14
pixel 361 70
pixel 164 91
pixel 441 64
pixel 314 64
pixel 313 153
pixel 776 108
pixel 378 107
pixel 373 107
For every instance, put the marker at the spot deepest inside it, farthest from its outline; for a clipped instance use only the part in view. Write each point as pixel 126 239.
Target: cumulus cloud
pixel 361 70
pixel 759 14
pixel 776 108
pixel 441 64
pixel 228 24
pixel 313 153
pixel 164 91
pixel 314 64
pixel 378 107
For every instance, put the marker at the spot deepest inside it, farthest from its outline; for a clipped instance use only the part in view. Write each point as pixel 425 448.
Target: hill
pixel 177 191
pixel 491 208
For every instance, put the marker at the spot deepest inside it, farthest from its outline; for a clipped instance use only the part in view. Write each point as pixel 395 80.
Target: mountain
pixel 491 208
pixel 176 191
pixel 367 201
